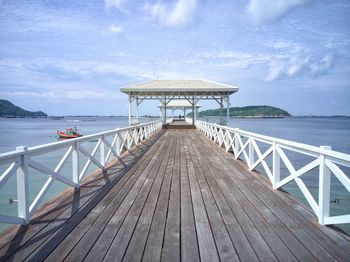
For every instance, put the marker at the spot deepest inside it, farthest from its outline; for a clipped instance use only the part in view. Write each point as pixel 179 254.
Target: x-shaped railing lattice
pixel 244 145
pixel 21 161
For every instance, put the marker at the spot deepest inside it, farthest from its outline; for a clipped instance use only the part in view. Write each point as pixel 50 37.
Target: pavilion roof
pixel 179 88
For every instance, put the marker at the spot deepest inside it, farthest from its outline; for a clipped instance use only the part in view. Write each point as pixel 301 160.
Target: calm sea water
pixel 333 132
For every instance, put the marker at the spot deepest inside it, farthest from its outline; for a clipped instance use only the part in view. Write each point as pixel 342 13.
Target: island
pixel 261 111
pixel 9 110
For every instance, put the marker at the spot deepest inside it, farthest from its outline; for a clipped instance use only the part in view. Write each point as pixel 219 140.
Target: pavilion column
pixel 227 109
pixel 129 109
pixel 137 110
pixel 195 112
pixel 164 123
pixel 221 107
pixel 193 102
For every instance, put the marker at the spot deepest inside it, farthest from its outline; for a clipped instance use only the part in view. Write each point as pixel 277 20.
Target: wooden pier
pixel 175 197
pixel 180 124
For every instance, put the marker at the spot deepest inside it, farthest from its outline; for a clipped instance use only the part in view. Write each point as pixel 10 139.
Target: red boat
pixel 69 133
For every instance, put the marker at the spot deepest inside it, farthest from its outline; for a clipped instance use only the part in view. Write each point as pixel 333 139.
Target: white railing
pixel 21 163
pixel 244 145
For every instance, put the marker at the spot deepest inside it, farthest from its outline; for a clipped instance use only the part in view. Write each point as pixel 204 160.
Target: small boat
pixel 69 133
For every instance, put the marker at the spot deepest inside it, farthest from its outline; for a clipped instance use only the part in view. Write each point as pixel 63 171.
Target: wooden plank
pixel 19 235
pixel 280 229
pixel 139 234
pixel 294 227
pixel 153 248
pixel 326 235
pixel 189 242
pixel 103 243
pixel 206 242
pixel 317 242
pixel 256 240
pixel 81 203
pixel 279 248
pixel 222 239
pixel 299 225
pixel 171 242
pixel 56 238
pixel 240 241
pixel 185 199
pixel 88 230
pixel 278 226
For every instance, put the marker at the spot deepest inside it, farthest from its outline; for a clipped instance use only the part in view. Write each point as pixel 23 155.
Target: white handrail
pixel 244 145
pixel 20 162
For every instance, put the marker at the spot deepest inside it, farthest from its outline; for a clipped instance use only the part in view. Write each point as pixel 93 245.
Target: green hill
pixel 247 111
pixel 7 109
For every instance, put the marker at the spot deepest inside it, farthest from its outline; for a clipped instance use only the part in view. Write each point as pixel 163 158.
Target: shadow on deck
pixel 176 197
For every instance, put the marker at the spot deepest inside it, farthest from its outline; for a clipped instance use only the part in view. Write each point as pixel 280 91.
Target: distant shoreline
pixel 276 117
pixel 239 117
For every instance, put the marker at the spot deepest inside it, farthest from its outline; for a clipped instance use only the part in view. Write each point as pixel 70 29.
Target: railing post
pixel 276 167
pixel 227 140
pixel 22 186
pixel 117 143
pixel 251 153
pixel 236 143
pixel 102 151
pixel 75 164
pixel 146 132
pixel 324 187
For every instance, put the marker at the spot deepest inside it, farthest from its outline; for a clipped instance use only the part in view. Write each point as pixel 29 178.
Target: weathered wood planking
pixel 179 198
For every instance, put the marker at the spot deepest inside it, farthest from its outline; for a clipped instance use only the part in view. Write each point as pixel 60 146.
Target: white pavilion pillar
pixel 195 112
pixel 193 102
pixel 129 109
pixel 164 122
pixel 221 107
pixel 227 109
pixel 137 110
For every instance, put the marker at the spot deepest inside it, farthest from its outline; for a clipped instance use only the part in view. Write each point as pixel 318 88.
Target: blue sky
pixel 71 57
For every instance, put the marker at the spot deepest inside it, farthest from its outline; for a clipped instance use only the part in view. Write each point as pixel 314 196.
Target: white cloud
pixel 337 41
pixel 282 44
pixel 115 3
pixel 116 29
pixel 122 54
pixel 43 72
pixel 277 69
pixel 297 64
pixel 263 11
pixel 62 93
pixel 232 59
pixel 181 13
pixel 225 54
pixel 321 67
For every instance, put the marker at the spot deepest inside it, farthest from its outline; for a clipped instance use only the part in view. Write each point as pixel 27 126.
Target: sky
pixel 72 57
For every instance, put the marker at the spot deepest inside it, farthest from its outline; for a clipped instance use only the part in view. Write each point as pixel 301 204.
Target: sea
pixel 334 132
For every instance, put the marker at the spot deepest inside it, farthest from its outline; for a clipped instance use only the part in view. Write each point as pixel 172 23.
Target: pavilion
pixel 174 105
pixel 168 90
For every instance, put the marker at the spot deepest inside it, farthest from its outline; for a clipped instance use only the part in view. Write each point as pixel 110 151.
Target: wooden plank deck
pixel 180 124
pixel 176 197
